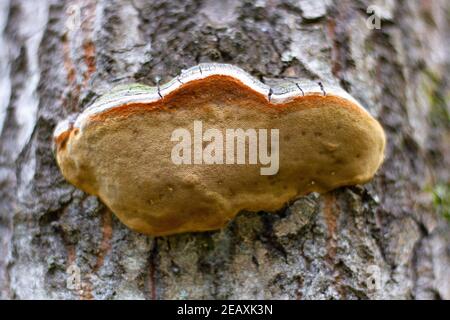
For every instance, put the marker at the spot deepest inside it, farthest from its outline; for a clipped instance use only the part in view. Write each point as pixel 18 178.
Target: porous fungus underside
pixel 120 148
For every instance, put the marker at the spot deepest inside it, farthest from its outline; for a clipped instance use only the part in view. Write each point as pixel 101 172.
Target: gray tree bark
pixel 384 240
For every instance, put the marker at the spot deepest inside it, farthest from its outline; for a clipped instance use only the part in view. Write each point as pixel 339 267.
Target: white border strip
pixel 276 95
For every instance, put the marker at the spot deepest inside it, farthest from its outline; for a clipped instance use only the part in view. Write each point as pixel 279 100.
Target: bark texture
pixel 386 239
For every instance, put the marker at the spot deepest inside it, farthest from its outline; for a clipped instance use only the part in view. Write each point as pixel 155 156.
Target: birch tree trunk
pixel 387 239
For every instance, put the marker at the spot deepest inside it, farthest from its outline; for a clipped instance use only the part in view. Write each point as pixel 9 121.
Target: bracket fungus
pixel 121 148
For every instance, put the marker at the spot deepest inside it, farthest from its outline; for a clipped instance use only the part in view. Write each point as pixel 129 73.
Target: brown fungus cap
pixel 120 148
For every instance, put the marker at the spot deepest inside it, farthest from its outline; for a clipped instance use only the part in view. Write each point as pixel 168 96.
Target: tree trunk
pixel 387 239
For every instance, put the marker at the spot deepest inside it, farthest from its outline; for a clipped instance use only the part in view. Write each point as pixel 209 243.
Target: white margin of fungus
pixel 275 95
